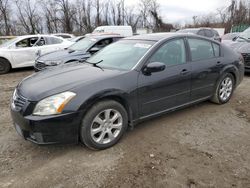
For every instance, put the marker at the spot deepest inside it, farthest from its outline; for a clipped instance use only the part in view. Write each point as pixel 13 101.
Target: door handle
pixel 184 72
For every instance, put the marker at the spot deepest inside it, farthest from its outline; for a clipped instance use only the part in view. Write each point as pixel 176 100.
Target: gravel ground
pixel 206 145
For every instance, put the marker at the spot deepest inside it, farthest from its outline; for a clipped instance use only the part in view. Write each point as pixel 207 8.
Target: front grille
pixel 18 101
pixel 246 58
pixel 40 65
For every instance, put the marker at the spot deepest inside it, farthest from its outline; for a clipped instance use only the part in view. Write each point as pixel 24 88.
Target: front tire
pixel 224 89
pixel 103 125
pixel 4 66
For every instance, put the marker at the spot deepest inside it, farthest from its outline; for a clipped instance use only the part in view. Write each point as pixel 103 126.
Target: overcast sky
pixel 182 11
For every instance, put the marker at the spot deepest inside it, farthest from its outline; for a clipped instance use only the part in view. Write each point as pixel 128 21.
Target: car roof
pixel 38 35
pixel 104 36
pixel 156 36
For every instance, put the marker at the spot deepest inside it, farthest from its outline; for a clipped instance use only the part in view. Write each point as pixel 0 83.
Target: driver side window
pixel 171 53
pixel 28 42
pixel 103 43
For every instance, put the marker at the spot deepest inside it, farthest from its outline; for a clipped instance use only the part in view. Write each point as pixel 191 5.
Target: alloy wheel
pixel 106 126
pixel 226 89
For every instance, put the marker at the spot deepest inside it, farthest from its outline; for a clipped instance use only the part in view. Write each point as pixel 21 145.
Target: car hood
pixel 65 78
pixel 241 47
pixel 62 55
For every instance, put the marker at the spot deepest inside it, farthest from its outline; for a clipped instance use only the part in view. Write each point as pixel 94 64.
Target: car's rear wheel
pixel 4 66
pixel 103 125
pixel 224 89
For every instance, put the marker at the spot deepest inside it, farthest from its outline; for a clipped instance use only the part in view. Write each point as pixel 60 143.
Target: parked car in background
pixel 64 35
pixel 241 44
pixel 205 32
pixel 4 39
pixel 22 51
pixel 79 51
pixel 127 82
pixel 125 31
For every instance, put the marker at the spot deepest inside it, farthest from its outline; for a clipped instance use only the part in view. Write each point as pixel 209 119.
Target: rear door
pixel 205 65
pixel 49 44
pixel 164 90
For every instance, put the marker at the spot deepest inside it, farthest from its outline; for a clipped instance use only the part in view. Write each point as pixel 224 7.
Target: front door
pixel 25 51
pixel 164 90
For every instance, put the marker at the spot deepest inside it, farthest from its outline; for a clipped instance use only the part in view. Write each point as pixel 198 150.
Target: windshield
pixel 122 55
pixel 83 45
pixel 245 34
pixel 9 42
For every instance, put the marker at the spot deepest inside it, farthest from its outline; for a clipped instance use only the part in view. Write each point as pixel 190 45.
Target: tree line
pixel 237 13
pixel 19 17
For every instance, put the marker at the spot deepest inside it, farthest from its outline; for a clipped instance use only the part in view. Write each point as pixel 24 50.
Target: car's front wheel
pixel 4 66
pixel 224 89
pixel 103 125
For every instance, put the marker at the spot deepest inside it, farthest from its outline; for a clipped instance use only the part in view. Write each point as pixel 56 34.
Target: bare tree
pixel 5 13
pixel 67 11
pixel 28 16
pixel 51 10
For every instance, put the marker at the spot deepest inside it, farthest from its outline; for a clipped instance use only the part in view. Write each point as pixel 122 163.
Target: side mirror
pixel 94 50
pixel 154 67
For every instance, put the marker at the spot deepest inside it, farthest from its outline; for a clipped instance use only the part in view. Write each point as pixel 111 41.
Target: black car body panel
pixel 142 95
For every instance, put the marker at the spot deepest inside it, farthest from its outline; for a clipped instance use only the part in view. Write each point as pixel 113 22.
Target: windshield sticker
pixel 141 45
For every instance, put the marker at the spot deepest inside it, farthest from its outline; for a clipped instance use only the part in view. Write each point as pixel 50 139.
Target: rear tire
pixel 224 89
pixel 103 125
pixel 4 66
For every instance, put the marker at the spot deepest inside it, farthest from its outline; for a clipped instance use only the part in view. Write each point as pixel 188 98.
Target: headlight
pixel 53 63
pixel 53 104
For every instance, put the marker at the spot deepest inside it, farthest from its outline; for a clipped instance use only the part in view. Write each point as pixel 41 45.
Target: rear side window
pixel 209 33
pixel 216 48
pixel 216 33
pixel 200 49
pixel 53 40
pixel 201 33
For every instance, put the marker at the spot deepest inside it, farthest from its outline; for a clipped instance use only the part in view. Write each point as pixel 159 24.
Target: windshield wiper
pixel 243 38
pixel 94 64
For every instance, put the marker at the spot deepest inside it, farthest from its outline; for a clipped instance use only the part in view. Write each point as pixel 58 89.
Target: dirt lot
pixel 202 146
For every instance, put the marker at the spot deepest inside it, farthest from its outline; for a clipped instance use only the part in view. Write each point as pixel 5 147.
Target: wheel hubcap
pixel 106 126
pixel 226 88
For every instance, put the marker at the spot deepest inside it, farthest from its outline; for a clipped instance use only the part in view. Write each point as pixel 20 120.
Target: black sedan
pixel 79 51
pixel 127 82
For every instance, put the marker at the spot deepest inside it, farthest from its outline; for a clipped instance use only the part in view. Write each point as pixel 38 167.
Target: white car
pixel 22 51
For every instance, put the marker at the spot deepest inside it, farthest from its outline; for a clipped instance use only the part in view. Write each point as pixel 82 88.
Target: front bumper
pixel 57 129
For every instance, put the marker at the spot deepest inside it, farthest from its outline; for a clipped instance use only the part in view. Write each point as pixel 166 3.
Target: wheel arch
pixel 115 95
pixel 1 57
pixel 232 70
